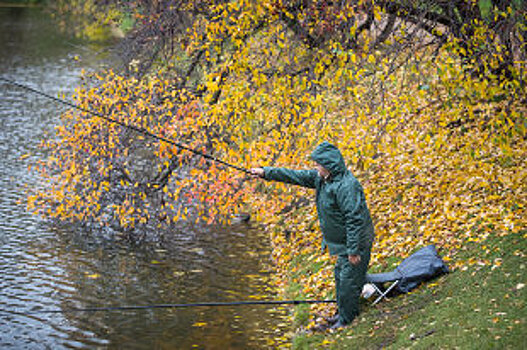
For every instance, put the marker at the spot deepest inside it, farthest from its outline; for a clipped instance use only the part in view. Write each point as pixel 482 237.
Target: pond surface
pixel 43 267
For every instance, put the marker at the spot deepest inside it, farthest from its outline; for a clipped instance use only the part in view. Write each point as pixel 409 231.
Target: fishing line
pixel 168 306
pixel 132 127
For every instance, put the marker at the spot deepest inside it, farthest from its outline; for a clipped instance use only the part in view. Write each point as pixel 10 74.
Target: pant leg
pixel 349 285
pixel 347 301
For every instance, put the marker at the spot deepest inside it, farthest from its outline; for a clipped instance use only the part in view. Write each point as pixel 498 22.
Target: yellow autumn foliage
pixel 435 133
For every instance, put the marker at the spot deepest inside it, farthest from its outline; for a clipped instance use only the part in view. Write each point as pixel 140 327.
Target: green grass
pixel 294 289
pixel 476 307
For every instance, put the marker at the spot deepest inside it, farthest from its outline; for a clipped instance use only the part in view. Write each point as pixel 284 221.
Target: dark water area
pixel 45 267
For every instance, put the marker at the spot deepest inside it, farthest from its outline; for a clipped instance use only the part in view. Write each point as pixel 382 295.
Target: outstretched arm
pixel 304 178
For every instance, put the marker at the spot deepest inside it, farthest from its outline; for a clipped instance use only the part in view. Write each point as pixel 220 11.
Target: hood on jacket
pixel 330 158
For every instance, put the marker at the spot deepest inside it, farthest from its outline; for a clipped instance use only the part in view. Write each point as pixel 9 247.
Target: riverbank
pixel 480 304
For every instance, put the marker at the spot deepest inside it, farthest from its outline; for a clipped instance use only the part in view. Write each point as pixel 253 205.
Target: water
pixel 44 267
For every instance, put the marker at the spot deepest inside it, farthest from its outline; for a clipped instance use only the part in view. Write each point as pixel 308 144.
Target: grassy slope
pixel 479 306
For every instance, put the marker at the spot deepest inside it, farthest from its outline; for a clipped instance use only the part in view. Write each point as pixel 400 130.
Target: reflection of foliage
pixel 86 19
pixel 425 99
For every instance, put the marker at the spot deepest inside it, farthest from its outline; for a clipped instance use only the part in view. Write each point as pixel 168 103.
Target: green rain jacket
pixel 344 217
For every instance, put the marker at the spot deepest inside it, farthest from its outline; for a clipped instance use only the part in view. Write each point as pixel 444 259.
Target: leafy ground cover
pixel 480 305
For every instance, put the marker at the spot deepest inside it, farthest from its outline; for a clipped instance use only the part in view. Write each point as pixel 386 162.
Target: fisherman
pixel 347 228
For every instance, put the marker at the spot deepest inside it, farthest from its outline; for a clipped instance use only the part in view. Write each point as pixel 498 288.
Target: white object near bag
pixel 367 290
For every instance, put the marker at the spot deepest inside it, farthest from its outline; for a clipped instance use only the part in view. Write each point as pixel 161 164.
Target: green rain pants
pixel 349 281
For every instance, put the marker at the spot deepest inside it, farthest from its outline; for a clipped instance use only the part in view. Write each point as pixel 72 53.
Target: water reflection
pixel 45 267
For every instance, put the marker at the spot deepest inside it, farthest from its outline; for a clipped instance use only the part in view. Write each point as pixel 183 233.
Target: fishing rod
pixel 129 126
pixel 167 306
pixel 155 306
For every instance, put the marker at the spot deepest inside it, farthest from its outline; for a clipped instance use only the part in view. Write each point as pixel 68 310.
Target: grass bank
pixel 479 305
